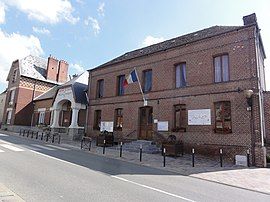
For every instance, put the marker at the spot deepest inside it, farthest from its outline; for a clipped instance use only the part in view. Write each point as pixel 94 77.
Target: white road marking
pixel 8 146
pixel 42 147
pixel 119 178
pixel 1 151
pixel 5 142
pixel 3 135
pixel 152 188
pixel 56 147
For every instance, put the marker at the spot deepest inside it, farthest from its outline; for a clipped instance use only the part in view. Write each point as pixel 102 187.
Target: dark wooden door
pixel 146 123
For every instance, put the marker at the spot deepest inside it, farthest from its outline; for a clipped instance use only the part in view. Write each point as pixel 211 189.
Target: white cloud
pixel 2 13
pixel 15 46
pixel 94 23
pixel 78 68
pixel 49 11
pixel 150 40
pixel 41 30
pixel 101 10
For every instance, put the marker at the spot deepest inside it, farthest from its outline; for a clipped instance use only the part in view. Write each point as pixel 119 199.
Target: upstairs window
pixel 41 117
pixel 118 122
pixel 180 118
pixel 221 64
pixel 147 81
pixel 180 75
pixel 14 76
pixel 120 85
pixel 97 120
pixel 223 122
pixel 100 88
pixel 12 96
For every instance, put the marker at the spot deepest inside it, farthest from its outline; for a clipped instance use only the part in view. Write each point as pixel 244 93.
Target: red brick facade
pixel 267 116
pixel 201 92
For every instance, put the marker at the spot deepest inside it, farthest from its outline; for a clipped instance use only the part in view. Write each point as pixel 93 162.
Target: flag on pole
pixel 131 78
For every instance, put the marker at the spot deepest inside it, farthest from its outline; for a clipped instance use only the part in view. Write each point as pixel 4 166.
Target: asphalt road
pixel 45 172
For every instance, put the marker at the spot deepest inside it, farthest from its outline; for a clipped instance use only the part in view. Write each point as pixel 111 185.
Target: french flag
pixel 131 78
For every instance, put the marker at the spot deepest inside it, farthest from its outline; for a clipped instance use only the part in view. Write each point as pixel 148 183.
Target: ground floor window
pixel 41 117
pixel 118 122
pixel 180 118
pixel 9 114
pixel 97 120
pixel 223 123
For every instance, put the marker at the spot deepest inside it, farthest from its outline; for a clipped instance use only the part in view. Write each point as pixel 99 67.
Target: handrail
pixel 131 133
pixel 159 137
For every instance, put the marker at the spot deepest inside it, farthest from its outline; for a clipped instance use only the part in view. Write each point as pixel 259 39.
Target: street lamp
pixel 248 94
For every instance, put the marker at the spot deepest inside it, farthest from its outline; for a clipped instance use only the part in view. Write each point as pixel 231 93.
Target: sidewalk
pixel 256 179
pixel 8 196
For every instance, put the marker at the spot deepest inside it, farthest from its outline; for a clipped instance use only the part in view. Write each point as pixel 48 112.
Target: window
pixel 11 97
pixel 118 122
pixel 14 76
pixel 147 81
pixel 223 123
pixel 41 117
pixel 180 118
pixel 100 86
pixel 221 64
pixel 120 85
pixel 9 113
pixel 180 75
pixel 97 120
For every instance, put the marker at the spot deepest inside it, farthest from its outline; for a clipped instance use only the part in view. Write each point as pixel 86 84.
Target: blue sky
pixel 89 33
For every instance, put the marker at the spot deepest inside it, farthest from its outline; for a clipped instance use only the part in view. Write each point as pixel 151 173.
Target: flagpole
pixel 140 85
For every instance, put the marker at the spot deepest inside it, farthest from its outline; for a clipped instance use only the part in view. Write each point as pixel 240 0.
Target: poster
pixel 199 117
pixel 106 125
pixel 163 126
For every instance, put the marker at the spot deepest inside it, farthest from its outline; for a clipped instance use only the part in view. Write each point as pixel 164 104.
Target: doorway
pixel 146 123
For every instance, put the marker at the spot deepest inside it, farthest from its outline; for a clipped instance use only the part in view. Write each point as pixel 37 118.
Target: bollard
pixel 104 145
pixel 248 154
pixel 41 137
pixel 59 139
pixel 37 135
pixel 28 133
pixel 140 153
pixel 121 147
pixel 47 137
pixel 20 132
pixel 164 157
pixel 53 138
pixel 193 157
pixel 90 142
pixel 82 143
pixel 221 157
pixel 32 135
pixel 23 133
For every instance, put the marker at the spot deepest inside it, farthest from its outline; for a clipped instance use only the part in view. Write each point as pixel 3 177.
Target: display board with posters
pixel 199 117
pixel 163 125
pixel 106 125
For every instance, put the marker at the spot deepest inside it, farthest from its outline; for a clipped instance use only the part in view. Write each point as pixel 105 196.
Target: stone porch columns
pixel 74 119
pixel 55 123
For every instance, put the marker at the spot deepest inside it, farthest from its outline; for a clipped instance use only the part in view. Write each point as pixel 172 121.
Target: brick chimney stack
pixel 62 72
pixel 250 19
pixel 52 68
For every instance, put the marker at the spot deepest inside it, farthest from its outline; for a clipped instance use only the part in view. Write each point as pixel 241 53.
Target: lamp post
pixel 249 95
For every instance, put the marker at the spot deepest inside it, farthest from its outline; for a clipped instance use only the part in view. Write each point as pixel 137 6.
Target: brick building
pixel 204 87
pixel 28 78
pixel 2 105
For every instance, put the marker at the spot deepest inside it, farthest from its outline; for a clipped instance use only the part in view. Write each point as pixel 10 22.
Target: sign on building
pixel 106 125
pixel 199 117
pixel 163 126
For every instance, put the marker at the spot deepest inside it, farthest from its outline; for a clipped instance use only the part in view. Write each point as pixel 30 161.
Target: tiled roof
pixel 172 43
pixel 78 84
pixel 34 67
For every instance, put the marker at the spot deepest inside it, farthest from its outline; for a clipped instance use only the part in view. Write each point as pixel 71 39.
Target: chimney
pixel 52 67
pixel 62 72
pixel 250 19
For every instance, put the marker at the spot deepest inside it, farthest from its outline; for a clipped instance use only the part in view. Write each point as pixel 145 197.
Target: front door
pixel 146 123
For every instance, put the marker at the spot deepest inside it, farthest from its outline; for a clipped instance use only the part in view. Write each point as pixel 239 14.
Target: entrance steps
pixel 148 147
